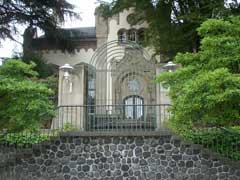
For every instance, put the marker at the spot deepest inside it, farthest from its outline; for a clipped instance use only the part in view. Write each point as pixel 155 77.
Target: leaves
pixel 25 138
pixel 206 90
pixel 17 69
pixel 173 23
pixel 23 100
pixel 45 15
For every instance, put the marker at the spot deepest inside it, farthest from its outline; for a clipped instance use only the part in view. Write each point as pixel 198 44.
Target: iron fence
pixel 110 117
pixel 224 141
pixel 116 118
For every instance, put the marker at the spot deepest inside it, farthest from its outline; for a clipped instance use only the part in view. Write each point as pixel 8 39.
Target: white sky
pixel 86 9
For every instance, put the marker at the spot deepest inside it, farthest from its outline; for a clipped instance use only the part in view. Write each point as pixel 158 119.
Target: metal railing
pixel 219 140
pixel 110 117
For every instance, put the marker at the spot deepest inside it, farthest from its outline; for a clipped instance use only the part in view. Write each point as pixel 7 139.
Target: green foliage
pixel 25 138
pixel 43 69
pixel 17 69
pixel 223 141
pixel 67 127
pixel 24 101
pixel 52 83
pixel 236 129
pixel 172 23
pixel 29 13
pixel 206 90
pixel 48 73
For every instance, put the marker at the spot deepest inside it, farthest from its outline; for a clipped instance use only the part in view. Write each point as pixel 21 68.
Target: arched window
pixel 122 35
pixel 132 35
pixel 133 107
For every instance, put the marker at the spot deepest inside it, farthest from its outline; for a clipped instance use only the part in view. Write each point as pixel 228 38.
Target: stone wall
pixel 118 158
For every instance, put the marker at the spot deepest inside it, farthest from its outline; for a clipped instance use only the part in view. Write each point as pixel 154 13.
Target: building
pixel 111 85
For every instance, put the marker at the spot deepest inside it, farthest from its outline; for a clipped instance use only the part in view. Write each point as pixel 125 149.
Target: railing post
pixel 158 117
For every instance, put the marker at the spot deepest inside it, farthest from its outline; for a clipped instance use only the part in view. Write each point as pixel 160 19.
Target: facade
pixel 111 85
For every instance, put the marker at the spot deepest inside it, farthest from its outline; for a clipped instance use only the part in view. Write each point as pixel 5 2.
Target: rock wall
pixel 118 158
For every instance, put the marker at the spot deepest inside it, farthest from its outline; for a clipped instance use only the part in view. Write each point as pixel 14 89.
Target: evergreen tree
pixel 43 14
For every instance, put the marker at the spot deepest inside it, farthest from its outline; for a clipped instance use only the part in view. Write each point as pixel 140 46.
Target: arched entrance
pixel 121 92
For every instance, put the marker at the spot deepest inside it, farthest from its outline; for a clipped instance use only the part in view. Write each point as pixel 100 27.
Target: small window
pixel 132 36
pixel 122 36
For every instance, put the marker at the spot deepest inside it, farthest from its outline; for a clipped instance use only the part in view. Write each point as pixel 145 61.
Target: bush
pixel 206 90
pixel 24 101
pixel 24 138
pixel 224 141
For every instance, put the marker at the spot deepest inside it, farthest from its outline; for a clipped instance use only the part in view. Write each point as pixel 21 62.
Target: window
pixel 133 107
pixel 132 36
pixel 122 36
pixel 91 92
pixel 134 85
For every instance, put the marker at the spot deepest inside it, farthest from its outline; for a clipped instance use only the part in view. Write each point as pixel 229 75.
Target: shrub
pixel 24 101
pixel 25 138
pixel 206 90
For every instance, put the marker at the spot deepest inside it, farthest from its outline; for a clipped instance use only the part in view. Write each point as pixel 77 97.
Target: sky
pixel 86 9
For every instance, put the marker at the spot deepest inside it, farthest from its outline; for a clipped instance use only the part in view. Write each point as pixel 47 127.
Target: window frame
pixel 134 106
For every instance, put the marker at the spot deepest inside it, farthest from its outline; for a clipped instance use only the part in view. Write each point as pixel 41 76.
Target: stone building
pixel 110 81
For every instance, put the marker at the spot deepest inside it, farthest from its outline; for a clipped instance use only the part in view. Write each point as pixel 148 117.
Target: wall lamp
pixel 170 66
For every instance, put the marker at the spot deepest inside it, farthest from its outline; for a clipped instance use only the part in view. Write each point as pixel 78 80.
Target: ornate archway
pixel 121 70
pixel 117 66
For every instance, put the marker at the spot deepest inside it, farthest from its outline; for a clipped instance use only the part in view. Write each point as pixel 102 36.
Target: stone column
pixel 71 100
pixel 162 99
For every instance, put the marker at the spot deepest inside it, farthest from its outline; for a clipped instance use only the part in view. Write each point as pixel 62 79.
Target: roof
pixel 77 33
pixel 84 37
pixel 80 33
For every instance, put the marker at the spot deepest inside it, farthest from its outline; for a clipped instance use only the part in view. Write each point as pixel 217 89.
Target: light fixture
pixel 170 66
pixel 67 69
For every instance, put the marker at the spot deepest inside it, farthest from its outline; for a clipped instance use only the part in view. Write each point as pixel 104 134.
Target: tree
pixel 172 23
pixel 45 15
pixel 24 101
pixel 206 90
